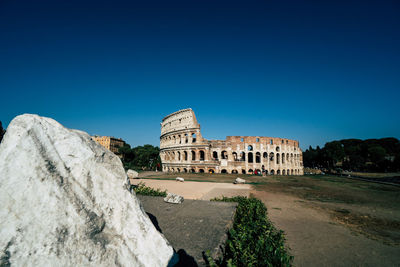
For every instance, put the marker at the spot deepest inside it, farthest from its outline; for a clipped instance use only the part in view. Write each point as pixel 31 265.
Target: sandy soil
pixel 197 190
pixel 316 239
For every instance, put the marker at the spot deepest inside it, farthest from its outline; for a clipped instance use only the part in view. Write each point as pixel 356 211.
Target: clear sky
pixel 313 71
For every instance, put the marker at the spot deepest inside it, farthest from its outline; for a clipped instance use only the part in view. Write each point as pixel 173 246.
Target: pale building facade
pixel 183 149
pixel 111 143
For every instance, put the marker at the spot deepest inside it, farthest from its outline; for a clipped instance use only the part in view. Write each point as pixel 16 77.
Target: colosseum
pixel 183 149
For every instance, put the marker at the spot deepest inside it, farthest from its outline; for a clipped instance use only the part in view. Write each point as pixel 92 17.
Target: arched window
pixel 201 170
pixel 186 155
pixel 180 140
pixel 173 156
pixel 277 149
pixel 224 155
pixel 250 148
pixel 250 157
pixel 283 158
pixel 215 155
pixel 257 140
pixel 272 172
pixel 184 170
pixel 258 157
pixel 287 157
pixel 179 155
pixel 243 171
pixel 234 155
pixel 202 155
pixel 193 138
pixel 271 156
pixel 278 161
pixel 271 142
pixel 265 155
pixel 278 172
pixel 193 155
pixel 223 171
pixel 288 172
pixel 242 156
pixel 186 138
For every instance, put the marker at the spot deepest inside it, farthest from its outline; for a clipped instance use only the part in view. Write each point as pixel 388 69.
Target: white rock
pixel 180 179
pixel 240 181
pixel 173 198
pixel 63 202
pixel 132 174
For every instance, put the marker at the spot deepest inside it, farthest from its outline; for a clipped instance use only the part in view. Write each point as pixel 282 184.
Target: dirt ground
pixel 327 220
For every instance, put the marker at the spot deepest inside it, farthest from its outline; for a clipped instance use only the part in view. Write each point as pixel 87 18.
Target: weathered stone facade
pixel 183 149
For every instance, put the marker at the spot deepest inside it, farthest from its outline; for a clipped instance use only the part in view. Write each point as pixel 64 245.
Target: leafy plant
pixel 142 189
pixel 253 240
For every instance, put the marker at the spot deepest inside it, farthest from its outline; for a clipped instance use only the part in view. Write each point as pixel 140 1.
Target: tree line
pixel 145 157
pixel 373 155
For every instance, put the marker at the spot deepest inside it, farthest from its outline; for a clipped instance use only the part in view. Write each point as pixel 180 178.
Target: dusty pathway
pixel 197 190
pixel 316 239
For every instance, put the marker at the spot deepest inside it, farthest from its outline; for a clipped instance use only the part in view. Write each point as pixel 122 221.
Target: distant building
pixel 183 149
pixel 111 143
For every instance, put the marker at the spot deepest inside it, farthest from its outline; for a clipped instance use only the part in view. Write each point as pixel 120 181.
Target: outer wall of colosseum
pixel 183 149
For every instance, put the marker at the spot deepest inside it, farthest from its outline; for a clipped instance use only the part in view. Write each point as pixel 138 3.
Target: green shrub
pixel 142 189
pixel 252 240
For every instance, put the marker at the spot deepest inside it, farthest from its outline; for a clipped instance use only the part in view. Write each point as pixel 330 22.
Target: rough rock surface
pixel 173 198
pixel 240 181
pixel 132 174
pixel 63 202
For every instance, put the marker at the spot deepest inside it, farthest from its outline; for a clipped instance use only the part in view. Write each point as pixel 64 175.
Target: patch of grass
pixel 253 240
pixel 142 189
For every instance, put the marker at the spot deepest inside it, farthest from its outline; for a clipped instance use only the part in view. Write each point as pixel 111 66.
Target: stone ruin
pixel 183 149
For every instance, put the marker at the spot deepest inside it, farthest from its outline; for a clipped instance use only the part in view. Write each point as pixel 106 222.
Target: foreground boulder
pixel 63 202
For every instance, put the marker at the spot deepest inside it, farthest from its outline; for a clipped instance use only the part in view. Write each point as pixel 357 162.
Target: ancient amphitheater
pixel 183 149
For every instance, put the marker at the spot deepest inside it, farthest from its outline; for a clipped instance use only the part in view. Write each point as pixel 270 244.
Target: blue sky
pixel 313 71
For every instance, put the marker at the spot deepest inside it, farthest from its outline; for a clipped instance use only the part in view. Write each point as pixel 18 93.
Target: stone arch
pixel 224 171
pixel 179 155
pixel 266 172
pixel 202 155
pixel 288 172
pixel 243 171
pixel 234 172
pixel 292 171
pixel 184 170
pixel 250 157
pixel 272 172
pixel 186 138
pixel 250 148
pixel 258 157
pixel 234 156
pixel 215 155
pixel 173 156
pixel 224 155
pixel 278 161
pixel 172 170
pixel 242 156
pixel 192 170
pixel 178 169
pixel 211 171
pixel 180 139
pixel 271 156
pixel 283 172
pixel 193 155
pixel 265 155
pixel 201 170
pixel 185 154
pixel 287 157
pixel 283 158
pixel 278 172
pixel 277 149
pixel 193 138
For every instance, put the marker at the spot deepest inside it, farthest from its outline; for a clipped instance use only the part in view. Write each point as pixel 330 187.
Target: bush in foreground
pixel 142 189
pixel 253 240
